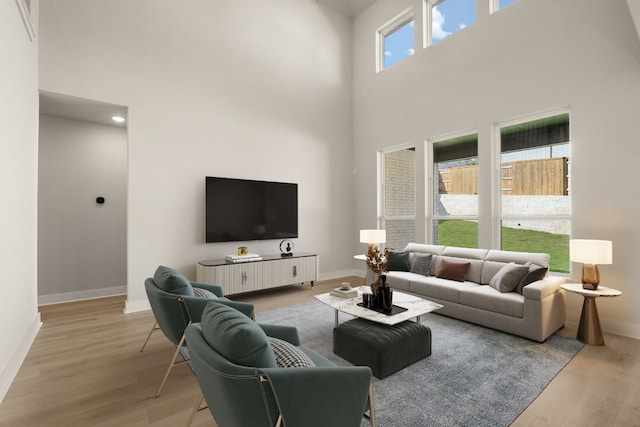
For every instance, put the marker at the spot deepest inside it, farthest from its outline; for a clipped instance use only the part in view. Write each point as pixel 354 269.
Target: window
pixel 454 189
pixel 399 197
pixel 395 40
pixel 535 206
pixel 445 17
pixel 504 3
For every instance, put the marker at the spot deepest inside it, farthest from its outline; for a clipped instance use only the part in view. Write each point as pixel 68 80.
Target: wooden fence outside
pixel 542 177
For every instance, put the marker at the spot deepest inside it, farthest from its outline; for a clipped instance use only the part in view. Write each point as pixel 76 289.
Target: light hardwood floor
pixel 85 369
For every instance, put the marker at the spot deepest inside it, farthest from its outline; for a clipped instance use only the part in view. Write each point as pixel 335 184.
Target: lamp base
pixel 590 277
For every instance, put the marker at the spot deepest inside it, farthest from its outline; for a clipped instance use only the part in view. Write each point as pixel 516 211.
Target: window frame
pixel 431 217
pixel 382 217
pixel 391 26
pixel 498 216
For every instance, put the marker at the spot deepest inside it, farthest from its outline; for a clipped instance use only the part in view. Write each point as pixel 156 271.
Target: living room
pixel 288 91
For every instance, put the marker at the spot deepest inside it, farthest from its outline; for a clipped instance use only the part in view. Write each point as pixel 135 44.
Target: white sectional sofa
pixel 535 310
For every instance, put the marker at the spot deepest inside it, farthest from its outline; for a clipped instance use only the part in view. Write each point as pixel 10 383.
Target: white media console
pixel 269 272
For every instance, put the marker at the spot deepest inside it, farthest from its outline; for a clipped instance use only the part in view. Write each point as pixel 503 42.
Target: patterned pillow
pixel 288 355
pixel 203 293
pixel 421 264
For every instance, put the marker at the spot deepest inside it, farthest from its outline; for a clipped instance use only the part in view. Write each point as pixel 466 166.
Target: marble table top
pixel 601 291
pixel 415 306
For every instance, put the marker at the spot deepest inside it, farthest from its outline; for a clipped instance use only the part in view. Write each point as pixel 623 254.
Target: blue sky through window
pixel 451 16
pixel 398 45
pixel 504 3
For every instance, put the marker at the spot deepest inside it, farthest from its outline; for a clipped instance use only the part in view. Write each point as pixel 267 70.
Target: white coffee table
pixel 415 306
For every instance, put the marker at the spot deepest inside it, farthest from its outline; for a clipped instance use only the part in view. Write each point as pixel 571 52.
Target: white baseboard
pixel 81 295
pixel 10 372
pixel 135 306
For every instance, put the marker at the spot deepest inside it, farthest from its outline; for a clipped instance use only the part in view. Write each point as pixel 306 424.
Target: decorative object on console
pixel 243 258
pixel 243 251
pixel 591 253
pixel 286 248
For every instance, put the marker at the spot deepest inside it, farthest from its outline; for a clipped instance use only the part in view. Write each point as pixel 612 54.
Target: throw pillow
pixel 204 293
pixel 398 261
pixel 508 277
pixel 452 270
pixel 534 274
pixel 236 337
pixel 170 280
pixel 288 355
pixel 421 264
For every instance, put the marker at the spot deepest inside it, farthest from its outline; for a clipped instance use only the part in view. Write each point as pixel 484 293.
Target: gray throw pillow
pixel 421 264
pixel 398 261
pixel 288 355
pixel 508 277
pixel 203 293
pixel 534 274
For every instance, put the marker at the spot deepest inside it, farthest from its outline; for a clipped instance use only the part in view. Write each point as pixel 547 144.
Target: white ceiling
pixel 349 8
pixel 88 110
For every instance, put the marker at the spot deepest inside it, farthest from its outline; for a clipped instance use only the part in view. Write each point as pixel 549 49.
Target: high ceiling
pixel 349 8
pixel 81 109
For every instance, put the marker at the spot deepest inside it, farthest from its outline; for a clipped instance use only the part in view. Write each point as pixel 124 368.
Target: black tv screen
pixel 241 210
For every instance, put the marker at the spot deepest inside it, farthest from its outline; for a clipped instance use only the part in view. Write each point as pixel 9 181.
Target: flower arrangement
pixel 378 263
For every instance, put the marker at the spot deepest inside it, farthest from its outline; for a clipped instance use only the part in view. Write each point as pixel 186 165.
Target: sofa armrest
pixel 541 289
pixel 285 333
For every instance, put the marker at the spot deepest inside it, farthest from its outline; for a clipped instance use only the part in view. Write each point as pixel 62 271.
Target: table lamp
pixel 591 253
pixel 372 238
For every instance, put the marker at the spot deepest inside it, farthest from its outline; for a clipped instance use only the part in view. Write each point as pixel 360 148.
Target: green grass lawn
pixel 465 234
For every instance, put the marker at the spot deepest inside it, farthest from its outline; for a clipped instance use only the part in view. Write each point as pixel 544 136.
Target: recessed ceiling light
pixel 118 119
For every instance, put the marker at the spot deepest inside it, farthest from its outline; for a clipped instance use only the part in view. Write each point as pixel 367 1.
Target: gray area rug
pixel 475 376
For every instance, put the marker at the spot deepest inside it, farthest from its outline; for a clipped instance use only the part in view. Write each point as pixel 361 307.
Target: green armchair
pixel 244 384
pixel 175 306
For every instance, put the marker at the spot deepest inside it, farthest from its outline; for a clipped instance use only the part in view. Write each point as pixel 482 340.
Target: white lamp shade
pixel 591 251
pixel 373 236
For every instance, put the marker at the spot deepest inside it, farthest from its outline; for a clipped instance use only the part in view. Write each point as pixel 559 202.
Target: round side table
pixel 589 330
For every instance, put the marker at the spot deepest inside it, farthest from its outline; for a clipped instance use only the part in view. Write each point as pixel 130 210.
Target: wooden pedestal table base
pixel 589 330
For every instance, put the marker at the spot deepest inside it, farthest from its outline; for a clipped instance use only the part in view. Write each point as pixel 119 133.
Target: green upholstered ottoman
pixel 385 349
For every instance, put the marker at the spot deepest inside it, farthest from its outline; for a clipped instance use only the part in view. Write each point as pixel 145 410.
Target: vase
pixel 387 299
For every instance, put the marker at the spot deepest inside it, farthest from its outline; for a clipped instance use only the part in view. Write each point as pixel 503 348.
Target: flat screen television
pixel 242 210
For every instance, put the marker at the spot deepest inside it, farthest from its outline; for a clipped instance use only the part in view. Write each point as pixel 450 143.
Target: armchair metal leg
pixel 196 409
pixel 372 411
pixel 171 364
pixel 153 328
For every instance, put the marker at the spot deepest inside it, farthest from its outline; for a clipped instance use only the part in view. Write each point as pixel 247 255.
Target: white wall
pixel 18 190
pixel 255 89
pixel 82 245
pixel 533 56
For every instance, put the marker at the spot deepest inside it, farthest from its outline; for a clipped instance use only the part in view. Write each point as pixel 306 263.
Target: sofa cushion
pixel 288 355
pixel 400 280
pixel 424 248
pixel 421 264
pixel 487 298
pixel 442 289
pixel 236 337
pixel 172 281
pixel 534 273
pixel 452 270
pixel 541 259
pixel 508 277
pixel 398 261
